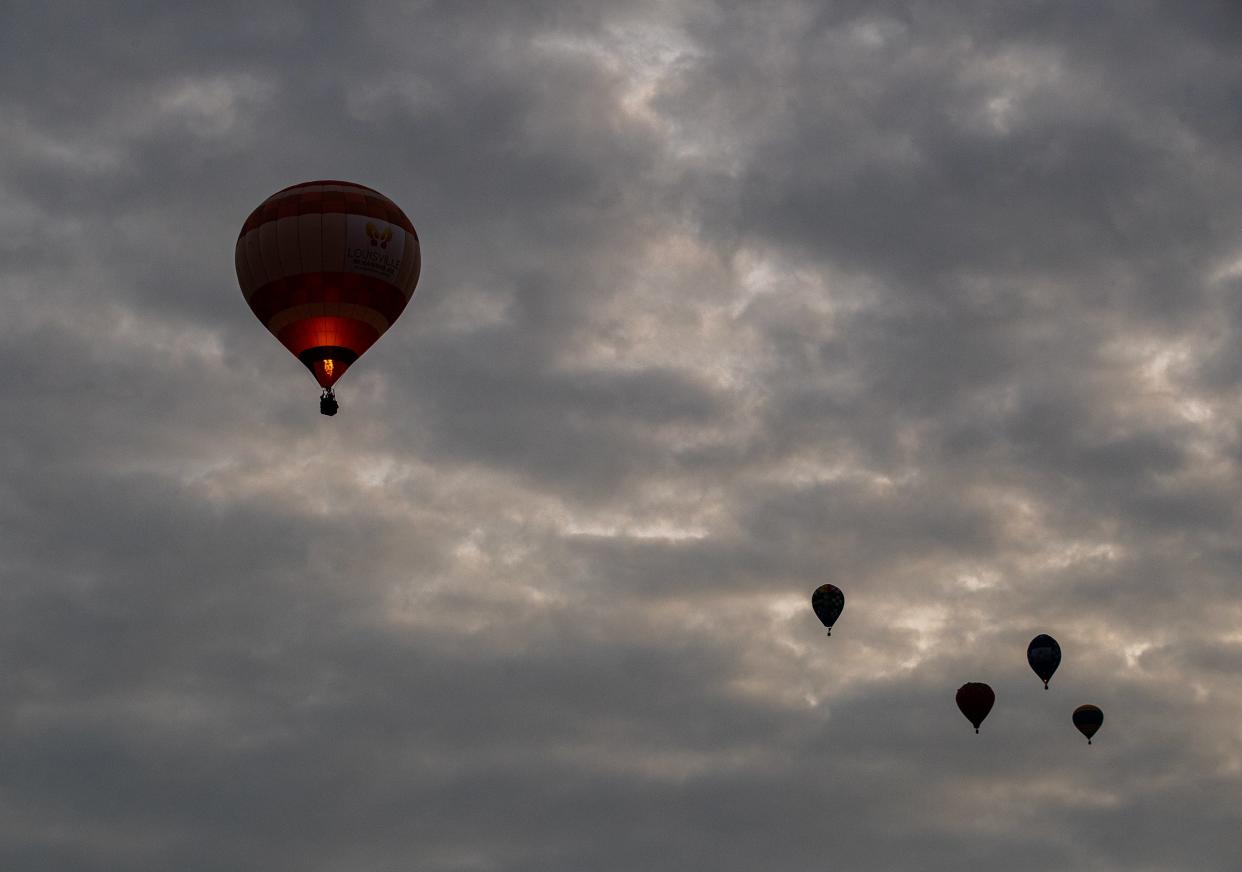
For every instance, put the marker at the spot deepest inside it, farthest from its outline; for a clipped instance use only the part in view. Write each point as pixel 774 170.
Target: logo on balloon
pixel 379 237
pixel 373 247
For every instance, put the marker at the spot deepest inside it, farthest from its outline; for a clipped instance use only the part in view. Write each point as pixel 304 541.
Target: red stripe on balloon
pixel 274 297
pixel 354 200
pixel 328 330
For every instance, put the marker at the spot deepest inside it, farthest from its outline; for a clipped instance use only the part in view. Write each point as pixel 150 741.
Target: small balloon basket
pixel 327 402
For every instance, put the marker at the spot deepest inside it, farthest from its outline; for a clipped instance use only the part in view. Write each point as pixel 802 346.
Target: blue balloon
pixel 1044 655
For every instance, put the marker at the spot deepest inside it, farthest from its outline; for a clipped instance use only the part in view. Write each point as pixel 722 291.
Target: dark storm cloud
pixel 720 301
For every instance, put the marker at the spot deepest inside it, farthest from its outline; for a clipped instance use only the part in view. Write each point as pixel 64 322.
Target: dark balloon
pixel 1044 655
pixel 975 700
pixel 1087 718
pixel 828 601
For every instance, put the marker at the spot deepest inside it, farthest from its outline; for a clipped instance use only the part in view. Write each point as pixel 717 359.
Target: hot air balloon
pixel 975 700
pixel 828 601
pixel 1088 718
pixel 1044 655
pixel 327 267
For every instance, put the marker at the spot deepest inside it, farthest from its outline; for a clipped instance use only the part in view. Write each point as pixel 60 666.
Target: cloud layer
pixel 720 302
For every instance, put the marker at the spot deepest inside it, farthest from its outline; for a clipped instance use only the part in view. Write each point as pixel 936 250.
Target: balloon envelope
pixel 828 602
pixel 327 267
pixel 975 700
pixel 1044 655
pixel 1088 718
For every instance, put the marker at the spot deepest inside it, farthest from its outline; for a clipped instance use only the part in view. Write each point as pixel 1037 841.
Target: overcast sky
pixel 940 303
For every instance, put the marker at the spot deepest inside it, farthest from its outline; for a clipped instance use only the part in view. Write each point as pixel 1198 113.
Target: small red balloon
pixel 975 700
pixel 1088 719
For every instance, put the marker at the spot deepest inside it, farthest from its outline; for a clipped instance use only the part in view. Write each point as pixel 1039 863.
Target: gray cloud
pixel 720 302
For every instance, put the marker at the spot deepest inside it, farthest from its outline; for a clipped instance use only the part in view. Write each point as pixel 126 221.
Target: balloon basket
pixel 327 402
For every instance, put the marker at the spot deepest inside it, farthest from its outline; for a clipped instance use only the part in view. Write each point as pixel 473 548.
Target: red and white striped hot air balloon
pixel 327 267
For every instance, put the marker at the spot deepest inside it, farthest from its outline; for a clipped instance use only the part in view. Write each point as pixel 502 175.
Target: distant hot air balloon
pixel 828 601
pixel 1088 718
pixel 975 700
pixel 327 267
pixel 1044 655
